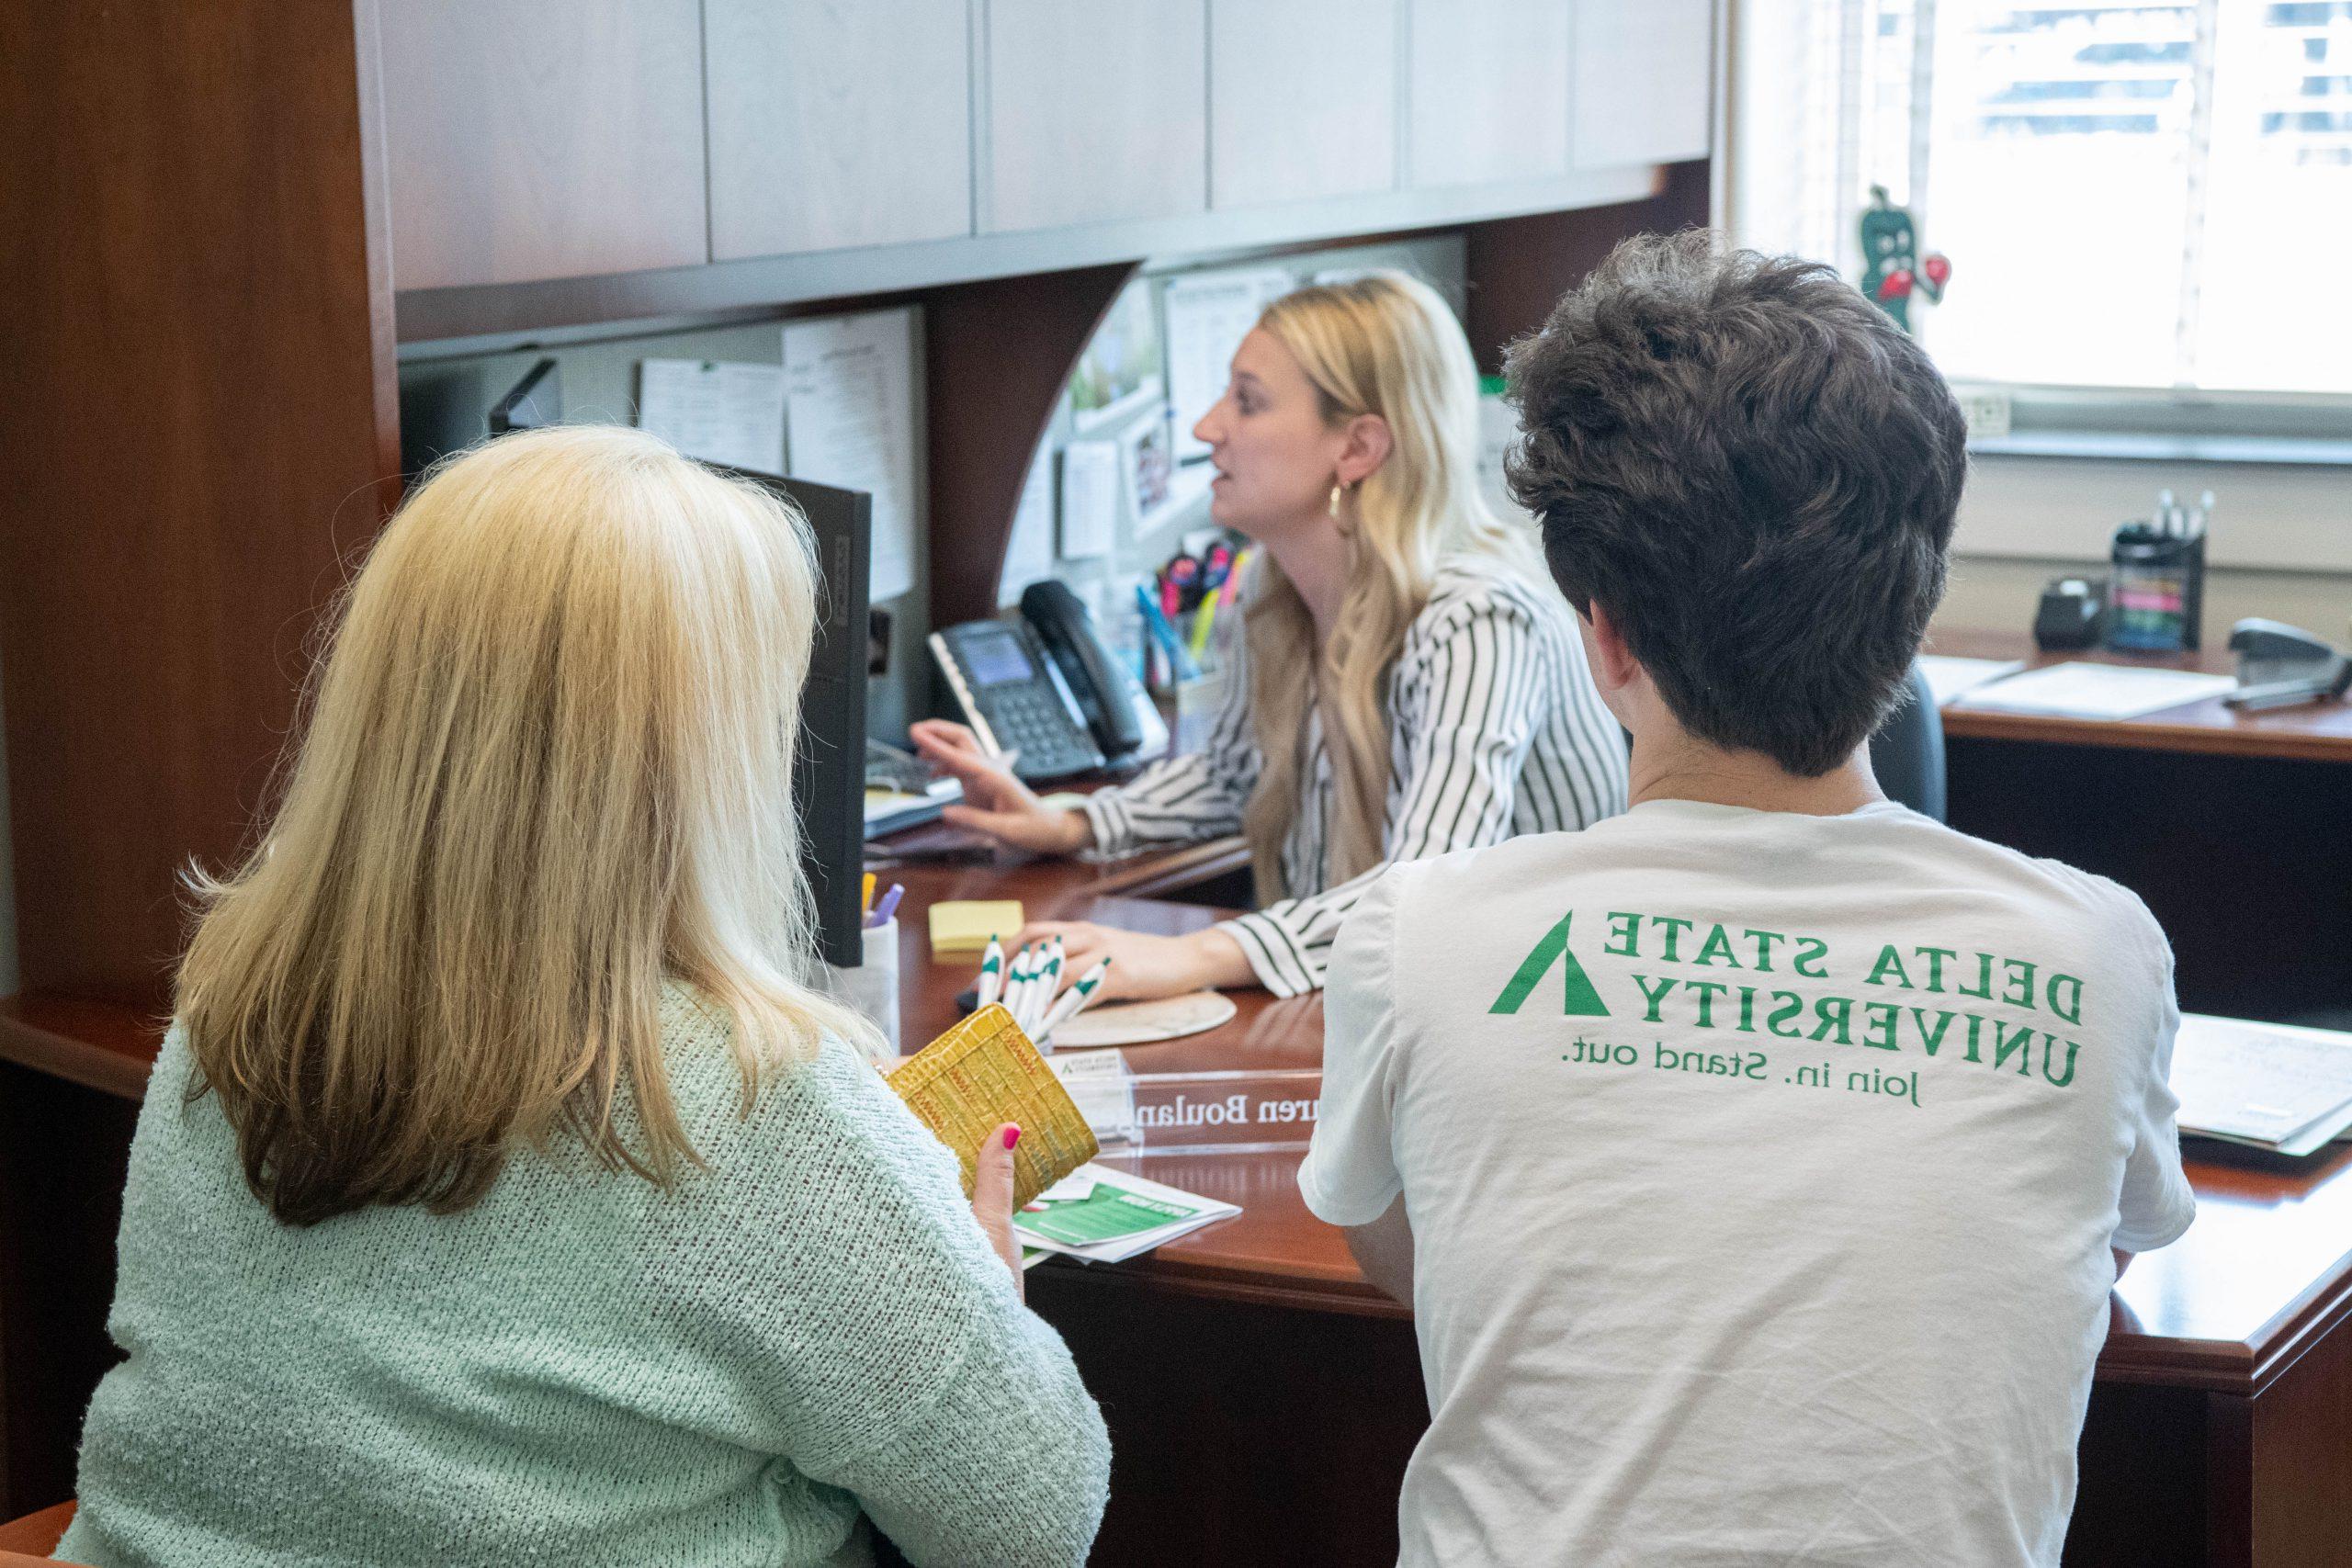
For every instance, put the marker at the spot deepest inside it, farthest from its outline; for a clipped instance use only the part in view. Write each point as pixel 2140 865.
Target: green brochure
pixel 1104 1213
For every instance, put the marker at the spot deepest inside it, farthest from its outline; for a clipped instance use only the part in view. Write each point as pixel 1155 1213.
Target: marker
pixel 992 973
pixel 865 897
pixel 887 907
pixel 1232 589
pixel 1204 621
pixel 1074 1001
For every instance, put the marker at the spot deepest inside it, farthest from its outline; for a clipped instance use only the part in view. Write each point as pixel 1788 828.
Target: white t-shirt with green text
pixel 1762 1170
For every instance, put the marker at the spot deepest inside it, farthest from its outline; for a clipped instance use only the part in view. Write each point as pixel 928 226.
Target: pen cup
pixel 871 989
pixel 1199 701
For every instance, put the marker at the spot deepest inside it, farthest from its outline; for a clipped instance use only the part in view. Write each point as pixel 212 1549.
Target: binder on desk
pixel 2272 1086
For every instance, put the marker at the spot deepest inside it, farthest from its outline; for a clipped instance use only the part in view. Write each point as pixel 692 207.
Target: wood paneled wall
pixel 1520 267
pixel 200 420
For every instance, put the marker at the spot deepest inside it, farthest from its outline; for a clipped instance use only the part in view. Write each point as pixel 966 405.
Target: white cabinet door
pixel 535 139
pixel 1491 90
pixel 1095 112
pixel 1644 81
pixel 837 122
pixel 1302 99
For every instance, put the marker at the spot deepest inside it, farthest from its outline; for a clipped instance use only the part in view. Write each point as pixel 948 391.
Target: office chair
pixel 1907 752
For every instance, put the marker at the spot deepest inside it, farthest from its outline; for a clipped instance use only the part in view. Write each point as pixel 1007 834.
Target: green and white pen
pixel 992 972
pixel 1016 981
pixel 1051 981
pixel 1075 999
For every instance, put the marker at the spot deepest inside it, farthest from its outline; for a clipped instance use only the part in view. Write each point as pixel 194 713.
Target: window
pixel 2133 195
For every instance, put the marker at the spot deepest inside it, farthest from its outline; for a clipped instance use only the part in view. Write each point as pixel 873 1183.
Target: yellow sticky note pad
pixel 965 925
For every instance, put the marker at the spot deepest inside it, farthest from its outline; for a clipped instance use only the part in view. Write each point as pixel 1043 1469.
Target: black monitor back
pixel 828 774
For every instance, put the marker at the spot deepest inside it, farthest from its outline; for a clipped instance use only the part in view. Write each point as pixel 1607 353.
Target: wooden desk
pixel 2314 733
pixel 1262 1398
pixel 1260 1390
pixel 2233 828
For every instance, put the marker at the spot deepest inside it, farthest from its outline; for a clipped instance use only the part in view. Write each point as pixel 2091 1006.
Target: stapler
pixel 2280 665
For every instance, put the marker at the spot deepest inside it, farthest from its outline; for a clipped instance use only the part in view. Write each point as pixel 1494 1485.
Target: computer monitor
pixel 829 774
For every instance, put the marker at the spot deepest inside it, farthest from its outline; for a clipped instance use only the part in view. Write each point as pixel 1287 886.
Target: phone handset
pixel 1117 710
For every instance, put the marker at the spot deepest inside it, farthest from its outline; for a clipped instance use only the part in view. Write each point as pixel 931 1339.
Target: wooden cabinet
pixel 536 139
pixel 1302 99
pixel 1644 81
pixel 1095 112
pixel 837 123
pixel 1489 91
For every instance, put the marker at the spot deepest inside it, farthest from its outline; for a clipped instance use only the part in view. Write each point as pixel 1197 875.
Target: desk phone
pixel 1046 687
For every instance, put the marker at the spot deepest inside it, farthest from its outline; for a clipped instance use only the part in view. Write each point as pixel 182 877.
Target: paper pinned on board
pixel 1090 489
pixel 850 408
pixel 1208 315
pixel 717 411
pixel 1029 553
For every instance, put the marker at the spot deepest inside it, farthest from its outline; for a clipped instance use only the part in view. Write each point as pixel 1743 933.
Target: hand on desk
pixel 995 803
pixel 1144 966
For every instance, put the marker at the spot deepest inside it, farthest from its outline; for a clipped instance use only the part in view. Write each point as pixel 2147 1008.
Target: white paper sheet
pixel 2083 690
pixel 1949 676
pixel 850 405
pixel 1208 315
pixel 2262 1083
pixel 721 412
pixel 1089 497
pixel 1029 554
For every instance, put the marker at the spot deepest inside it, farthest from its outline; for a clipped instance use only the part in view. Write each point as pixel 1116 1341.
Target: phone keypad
pixel 1032 722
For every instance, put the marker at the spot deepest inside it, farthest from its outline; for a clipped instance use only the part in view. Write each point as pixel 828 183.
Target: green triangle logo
pixel 1578 998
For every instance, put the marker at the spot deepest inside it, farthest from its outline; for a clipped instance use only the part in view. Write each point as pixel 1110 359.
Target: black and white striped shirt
pixel 1495 730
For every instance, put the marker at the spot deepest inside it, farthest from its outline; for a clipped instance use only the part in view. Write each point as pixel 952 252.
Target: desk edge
pixel 98 1045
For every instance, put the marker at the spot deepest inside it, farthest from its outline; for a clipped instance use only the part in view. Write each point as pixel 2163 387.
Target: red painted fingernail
pixel 1011 1136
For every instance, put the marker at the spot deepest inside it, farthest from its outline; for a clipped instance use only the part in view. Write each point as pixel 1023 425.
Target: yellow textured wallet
pixel 982 1074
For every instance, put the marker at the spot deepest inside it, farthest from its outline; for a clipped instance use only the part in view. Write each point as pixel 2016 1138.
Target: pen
pixel 1050 981
pixel 1161 632
pixel 887 907
pixel 866 896
pixel 1074 1001
pixel 992 973
pixel 1016 981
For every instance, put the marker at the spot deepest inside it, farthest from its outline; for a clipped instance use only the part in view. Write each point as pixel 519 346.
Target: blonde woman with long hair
pixel 1408 682
pixel 504 1189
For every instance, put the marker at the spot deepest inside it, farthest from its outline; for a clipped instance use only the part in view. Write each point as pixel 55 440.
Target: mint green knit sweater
pixel 582 1369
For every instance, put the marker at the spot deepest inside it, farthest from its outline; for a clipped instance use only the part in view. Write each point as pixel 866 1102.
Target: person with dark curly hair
pixel 1756 1163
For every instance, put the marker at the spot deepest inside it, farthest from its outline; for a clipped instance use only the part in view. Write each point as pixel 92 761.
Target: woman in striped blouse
pixel 1407 680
